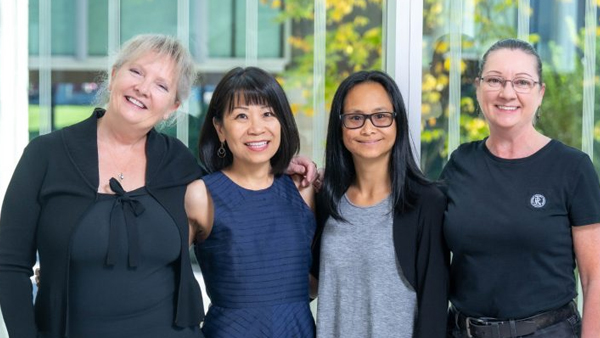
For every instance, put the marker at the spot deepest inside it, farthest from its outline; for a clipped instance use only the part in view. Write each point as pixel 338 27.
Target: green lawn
pixel 64 116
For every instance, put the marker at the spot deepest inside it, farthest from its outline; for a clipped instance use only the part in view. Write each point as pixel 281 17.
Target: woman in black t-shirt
pixel 523 211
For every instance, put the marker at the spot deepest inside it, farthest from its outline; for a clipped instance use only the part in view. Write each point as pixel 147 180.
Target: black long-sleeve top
pixel 53 185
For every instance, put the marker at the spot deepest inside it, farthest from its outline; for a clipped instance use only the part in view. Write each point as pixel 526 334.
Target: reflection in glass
pixel 556 28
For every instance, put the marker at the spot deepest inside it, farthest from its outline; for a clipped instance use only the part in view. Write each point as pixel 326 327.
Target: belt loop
pixel 513 328
pixel 455 318
pixel 497 332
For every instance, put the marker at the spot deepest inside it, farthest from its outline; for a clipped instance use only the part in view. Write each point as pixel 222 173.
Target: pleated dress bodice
pixel 256 261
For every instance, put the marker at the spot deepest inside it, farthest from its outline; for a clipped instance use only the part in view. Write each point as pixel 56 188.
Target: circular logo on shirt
pixel 537 200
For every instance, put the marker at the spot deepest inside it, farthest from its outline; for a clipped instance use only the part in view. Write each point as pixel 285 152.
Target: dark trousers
pixel 569 328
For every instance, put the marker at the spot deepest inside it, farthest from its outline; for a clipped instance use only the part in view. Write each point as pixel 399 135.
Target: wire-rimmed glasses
pixel 521 85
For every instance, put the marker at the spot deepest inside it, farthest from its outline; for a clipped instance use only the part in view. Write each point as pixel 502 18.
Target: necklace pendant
pixel 120 177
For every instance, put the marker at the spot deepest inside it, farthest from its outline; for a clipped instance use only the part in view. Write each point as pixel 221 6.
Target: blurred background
pixel 53 54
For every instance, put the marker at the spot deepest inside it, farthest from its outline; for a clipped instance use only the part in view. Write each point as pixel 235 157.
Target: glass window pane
pixel 475 33
pixel 239 28
pixel 73 94
pixel 97 28
pixel 270 32
pixel 553 30
pixel 220 28
pixel 227 29
pixel 148 16
pixel 63 27
pixel 34 104
pixel 353 43
pixel 552 26
pixel 34 27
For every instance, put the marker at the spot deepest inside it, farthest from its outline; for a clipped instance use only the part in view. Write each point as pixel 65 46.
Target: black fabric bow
pixel 125 209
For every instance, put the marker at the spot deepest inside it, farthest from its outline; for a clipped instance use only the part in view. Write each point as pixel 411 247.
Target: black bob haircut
pixel 340 172
pixel 255 87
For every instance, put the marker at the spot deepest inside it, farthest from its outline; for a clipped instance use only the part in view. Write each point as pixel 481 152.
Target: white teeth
pixel 136 102
pixel 507 108
pixel 257 144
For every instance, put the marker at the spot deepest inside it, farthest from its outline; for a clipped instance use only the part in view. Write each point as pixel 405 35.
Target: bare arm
pixel 307 192
pixel 586 241
pixel 308 195
pixel 199 209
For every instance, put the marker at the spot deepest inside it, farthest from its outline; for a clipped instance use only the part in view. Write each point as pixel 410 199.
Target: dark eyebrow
pixel 376 110
pixel 523 74
pixel 498 74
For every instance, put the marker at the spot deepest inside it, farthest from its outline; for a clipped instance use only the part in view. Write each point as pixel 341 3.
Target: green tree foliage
pixel 354 42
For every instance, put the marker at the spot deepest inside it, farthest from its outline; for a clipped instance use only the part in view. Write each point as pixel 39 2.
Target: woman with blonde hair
pixel 102 202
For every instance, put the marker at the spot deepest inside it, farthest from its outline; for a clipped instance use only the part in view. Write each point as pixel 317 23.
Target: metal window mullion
pixel 287 47
pixel 201 31
pixel 251 32
pixel 455 74
pixel 589 71
pixel 523 10
pixel 183 34
pixel 589 74
pixel 403 38
pixel 45 70
pixel 319 43
pixel 114 30
pixel 81 30
pixel 388 36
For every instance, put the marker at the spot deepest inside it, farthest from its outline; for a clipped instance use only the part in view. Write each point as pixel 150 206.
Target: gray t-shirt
pixel 362 291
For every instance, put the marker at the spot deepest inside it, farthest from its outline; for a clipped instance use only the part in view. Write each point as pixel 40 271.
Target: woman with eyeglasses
pixel 383 262
pixel 523 211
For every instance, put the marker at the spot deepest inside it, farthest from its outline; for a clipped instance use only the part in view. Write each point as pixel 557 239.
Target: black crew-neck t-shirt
pixel 508 224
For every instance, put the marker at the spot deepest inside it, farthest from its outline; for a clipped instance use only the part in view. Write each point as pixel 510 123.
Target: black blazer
pixel 54 184
pixel 422 253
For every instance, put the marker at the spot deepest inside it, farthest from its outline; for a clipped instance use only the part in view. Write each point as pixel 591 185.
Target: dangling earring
pixel 221 151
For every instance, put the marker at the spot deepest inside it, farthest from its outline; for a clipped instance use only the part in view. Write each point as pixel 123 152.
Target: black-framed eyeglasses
pixel 379 119
pixel 521 85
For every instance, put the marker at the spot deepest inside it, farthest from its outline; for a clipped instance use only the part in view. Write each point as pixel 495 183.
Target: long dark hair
pixel 254 86
pixel 340 172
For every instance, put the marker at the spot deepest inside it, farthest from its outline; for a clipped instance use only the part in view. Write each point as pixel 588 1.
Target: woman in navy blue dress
pixel 252 224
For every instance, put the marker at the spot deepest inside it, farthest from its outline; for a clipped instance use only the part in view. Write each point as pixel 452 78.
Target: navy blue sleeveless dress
pixel 256 261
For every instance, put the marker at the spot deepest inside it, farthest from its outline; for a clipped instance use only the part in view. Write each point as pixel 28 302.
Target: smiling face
pixel 368 141
pixel 252 133
pixel 503 108
pixel 143 91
